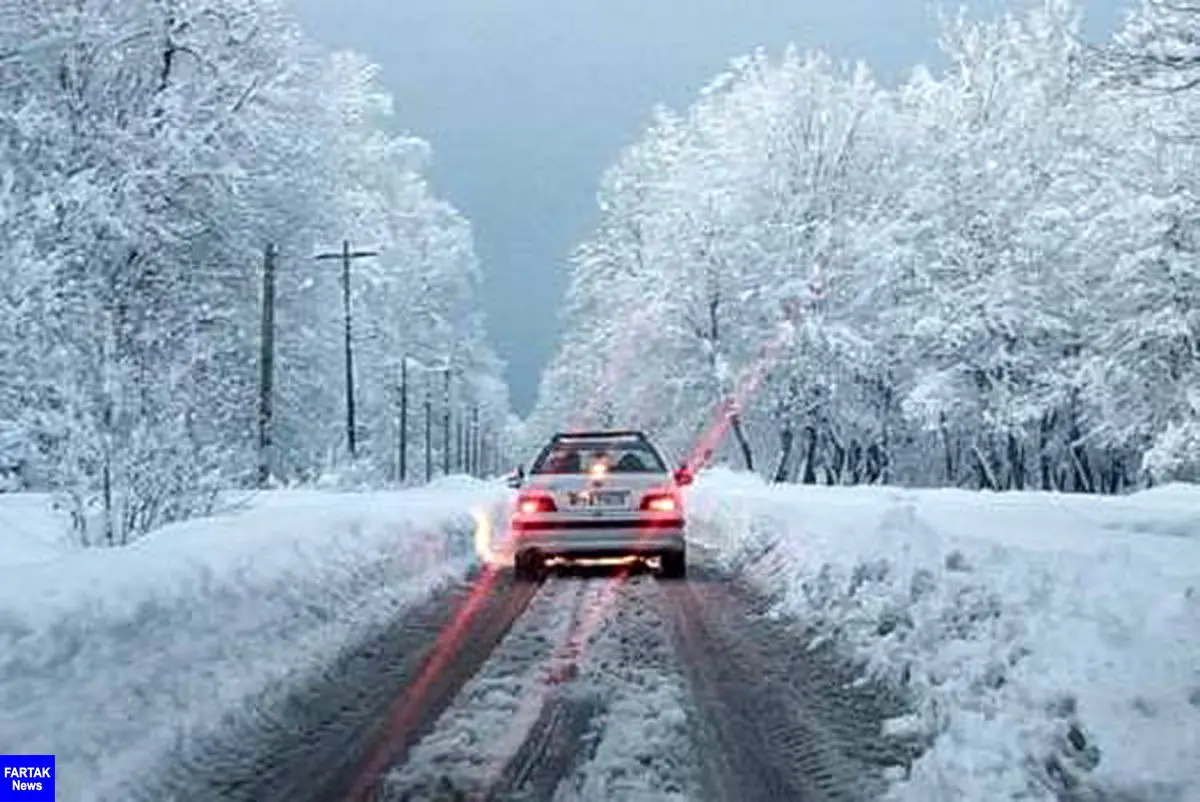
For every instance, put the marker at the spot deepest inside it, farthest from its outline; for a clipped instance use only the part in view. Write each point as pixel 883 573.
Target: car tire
pixel 528 566
pixel 673 564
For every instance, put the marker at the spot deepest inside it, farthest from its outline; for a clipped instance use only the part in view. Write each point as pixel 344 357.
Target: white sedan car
pixel 596 495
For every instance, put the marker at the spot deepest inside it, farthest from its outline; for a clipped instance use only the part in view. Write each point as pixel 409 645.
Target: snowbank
pixel 31 530
pixel 1051 642
pixel 108 656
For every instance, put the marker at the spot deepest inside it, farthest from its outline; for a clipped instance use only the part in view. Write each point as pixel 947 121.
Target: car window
pixel 579 457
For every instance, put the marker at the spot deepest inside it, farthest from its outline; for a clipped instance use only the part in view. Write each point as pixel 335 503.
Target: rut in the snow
pixel 582 703
pixel 776 719
pixel 317 741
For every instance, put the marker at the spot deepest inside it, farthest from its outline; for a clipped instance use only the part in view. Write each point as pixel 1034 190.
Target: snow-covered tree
pixel 1154 288
pixel 149 151
pixel 985 276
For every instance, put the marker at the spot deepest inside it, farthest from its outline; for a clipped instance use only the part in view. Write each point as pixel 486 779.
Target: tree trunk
pixel 713 336
pixel 833 472
pixel 266 368
pixel 987 480
pixel 735 422
pixel 1045 427
pixel 787 438
pixel 1116 471
pixel 854 461
pixel 1016 463
pixel 948 451
pixel 1083 480
pixel 876 468
pixel 884 450
pixel 1081 471
pixel 810 473
pixel 107 433
pixel 995 464
pixel 107 499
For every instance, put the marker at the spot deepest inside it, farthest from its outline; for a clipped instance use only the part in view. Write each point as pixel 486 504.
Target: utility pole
pixel 489 455
pixel 460 456
pixel 446 423
pixel 474 445
pixel 403 455
pixel 428 436
pixel 347 256
pixel 266 376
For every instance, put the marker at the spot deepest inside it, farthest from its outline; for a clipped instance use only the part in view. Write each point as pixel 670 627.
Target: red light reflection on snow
pixel 559 668
pixel 752 376
pixel 404 715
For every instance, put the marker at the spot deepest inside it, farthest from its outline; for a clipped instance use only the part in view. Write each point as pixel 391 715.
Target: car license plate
pixel 600 498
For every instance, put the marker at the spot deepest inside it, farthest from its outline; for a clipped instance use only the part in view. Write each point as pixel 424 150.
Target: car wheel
pixel 674 564
pixel 528 566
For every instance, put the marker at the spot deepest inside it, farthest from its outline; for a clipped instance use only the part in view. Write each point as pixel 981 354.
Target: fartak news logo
pixel 26 778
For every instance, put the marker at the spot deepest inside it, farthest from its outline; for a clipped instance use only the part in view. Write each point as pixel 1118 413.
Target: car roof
pixel 608 434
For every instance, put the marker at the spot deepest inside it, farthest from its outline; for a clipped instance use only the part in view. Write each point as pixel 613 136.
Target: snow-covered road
pixel 329 646
pixel 603 686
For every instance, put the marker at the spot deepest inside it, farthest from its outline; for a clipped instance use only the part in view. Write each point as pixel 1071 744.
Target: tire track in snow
pixel 621 687
pixel 639 747
pixel 317 741
pixel 774 718
pixel 470 745
pixel 542 745
pixel 594 711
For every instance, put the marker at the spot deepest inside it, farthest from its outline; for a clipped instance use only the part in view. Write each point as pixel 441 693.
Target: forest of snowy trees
pixel 986 277
pixel 150 151
pixel 992 272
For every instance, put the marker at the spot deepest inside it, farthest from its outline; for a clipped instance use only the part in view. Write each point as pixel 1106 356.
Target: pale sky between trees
pixel 525 103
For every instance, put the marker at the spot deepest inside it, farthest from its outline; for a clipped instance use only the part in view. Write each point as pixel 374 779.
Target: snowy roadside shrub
pixel 1175 455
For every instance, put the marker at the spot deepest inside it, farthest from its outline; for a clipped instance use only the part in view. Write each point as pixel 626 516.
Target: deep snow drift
pixel 108 656
pixel 1050 641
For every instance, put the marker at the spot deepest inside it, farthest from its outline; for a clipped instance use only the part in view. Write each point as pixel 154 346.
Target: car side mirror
pixel 684 477
pixel 517 477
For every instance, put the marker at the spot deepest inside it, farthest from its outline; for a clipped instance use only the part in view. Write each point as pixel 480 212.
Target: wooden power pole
pixel 346 255
pixel 446 424
pixel 403 455
pixel 460 459
pixel 473 458
pixel 266 376
pixel 428 437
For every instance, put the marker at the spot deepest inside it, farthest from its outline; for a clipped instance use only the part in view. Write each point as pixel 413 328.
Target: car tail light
pixel 660 502
pixel 540 502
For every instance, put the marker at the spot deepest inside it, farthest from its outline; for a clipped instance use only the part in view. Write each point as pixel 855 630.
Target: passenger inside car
pixel 630 463
pixel 564 461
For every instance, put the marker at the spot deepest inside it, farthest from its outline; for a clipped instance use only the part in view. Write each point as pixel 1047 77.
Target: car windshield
pixel 569 457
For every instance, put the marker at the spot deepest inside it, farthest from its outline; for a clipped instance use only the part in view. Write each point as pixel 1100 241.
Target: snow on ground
pixel 31 530
pixel 1051 642
pixel 491 716
pixel 108 656
pixel 642 746
pixel 587 677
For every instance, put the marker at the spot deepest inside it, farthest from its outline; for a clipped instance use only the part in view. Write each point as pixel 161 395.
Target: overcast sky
pixel 526 101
